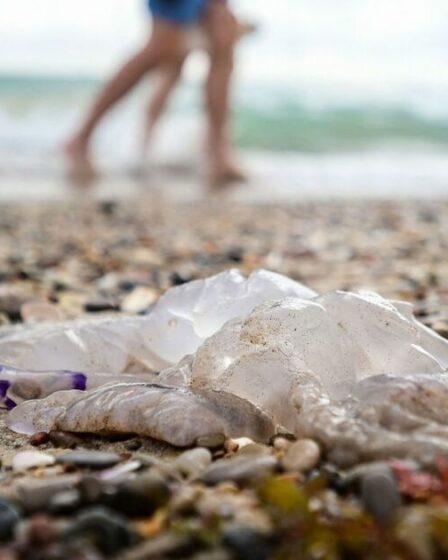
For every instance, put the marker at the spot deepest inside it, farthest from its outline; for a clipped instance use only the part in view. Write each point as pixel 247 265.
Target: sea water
pixel 327 99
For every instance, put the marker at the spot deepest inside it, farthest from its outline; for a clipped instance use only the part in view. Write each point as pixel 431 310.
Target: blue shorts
pixel 182 12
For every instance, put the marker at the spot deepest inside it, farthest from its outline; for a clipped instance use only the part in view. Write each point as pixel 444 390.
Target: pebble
pixel 211 441
pixel 64 503
pixel 95 460
pixel 9 517
pixel 105 529
pixel 90 488
pixel 139 300
pixel 254 449
pixel 302 455
pixel 65 440
pixel 31 459
pixel 380 495
pixel 36 494
pixel 100 305
pixel 242 470
pixel 235 444
pixel 141 496
pixel 245 544
pixel 170 545
pixel 441 328
pixel 39 438
pixel 282 444
pixel 40 312
pixel 40 530
pixel 193 463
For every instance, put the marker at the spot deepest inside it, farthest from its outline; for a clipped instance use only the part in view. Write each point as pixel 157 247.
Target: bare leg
pixel 165 46
pixel 169 77
pixel 222 30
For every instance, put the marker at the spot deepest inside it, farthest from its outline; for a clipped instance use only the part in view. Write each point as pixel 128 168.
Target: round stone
pixel 193 463
pixel 65 440
pixel 141 496
pixel 211 441
pixel 243 470
pixel 108 531
pixel 95 460
pixel 31 459
pixel 303 455
pixel 9 517
pixel 380 495
pixel 39 438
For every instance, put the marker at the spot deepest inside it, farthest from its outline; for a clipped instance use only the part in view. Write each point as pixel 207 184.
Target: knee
pixel 222 32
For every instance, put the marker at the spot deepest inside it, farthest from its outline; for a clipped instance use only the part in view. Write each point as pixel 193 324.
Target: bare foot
pixel 225 173
pixel 81 170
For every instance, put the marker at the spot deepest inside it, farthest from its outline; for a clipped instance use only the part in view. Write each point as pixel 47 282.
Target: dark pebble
pixel 108 207
pixel 95 460
pixel 90 489
pixel 66 440
pixel 177 279
pixel 379 494
pixel 235 255
pixel 9 517
pixel 141 496
pixel 40 438
pixel 245 544
pixel 100 305
pixel 107 531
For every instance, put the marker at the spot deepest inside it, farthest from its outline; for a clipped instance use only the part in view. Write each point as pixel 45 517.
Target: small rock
pixel 11 301
pixel 4 320
pixel 139 300
pixel 65 440
pixel 211 441
pixel 100 305
pixel 106 530
pixel 170 545
pixel 95 460
pixel 177 279
pixel 36 494
pixel 282 444
pixel 64 503
pixel 379 494
pixel 40 530
pixel 39 312
pixel 254 449
pixel 91 489
pixel 303 455
pixel 441 328
pixel 9 517
pixel 31 459
pixel 243 470
pixel 235 444
pixel 193 463
pixel 39 438
pixel 245 544
pixel 141 496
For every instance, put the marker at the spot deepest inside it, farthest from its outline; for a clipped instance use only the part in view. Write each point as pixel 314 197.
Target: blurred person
pixel 170 76
pixel 167 48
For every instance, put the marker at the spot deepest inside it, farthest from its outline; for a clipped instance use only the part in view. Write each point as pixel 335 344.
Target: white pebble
pixel 303 455
pixel 31 459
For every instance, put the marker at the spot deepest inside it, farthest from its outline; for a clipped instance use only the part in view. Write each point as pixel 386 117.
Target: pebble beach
pixel 72 496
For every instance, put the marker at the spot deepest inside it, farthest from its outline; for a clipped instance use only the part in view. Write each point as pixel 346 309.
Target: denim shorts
pixel 182 12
